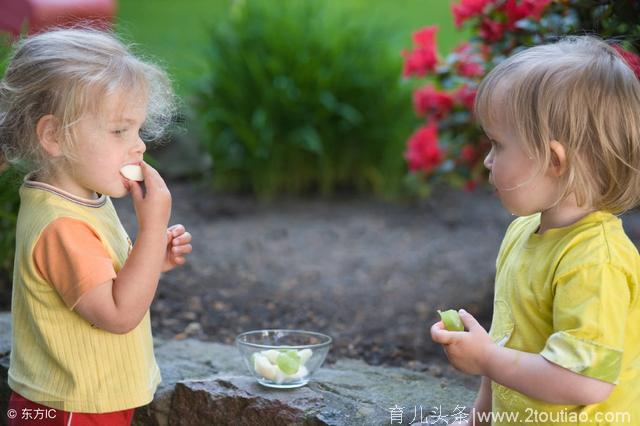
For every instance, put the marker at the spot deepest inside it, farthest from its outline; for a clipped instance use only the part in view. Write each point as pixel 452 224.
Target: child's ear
pixel 558 158
pixel 47 131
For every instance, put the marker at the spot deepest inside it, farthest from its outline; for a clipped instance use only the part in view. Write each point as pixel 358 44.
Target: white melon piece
pixel 263 367
pixel 280 376
pixel 300 374
pixel 132 172
pixel 304 355
pixel 272 355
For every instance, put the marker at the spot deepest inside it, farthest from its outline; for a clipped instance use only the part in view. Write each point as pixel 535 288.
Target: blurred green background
pixel 334 56
pixel 177 33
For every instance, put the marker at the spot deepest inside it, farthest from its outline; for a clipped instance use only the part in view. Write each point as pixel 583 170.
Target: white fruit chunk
pixel 304 355
pixel 263 367
pixel 132 172
pixel 300 374
pixel 272 355
pixel 280 376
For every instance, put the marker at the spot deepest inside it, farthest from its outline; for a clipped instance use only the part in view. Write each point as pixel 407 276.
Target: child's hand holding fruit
pixel 468 351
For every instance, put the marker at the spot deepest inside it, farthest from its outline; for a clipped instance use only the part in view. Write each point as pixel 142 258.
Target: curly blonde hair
pixel 580 92
pixel 67 73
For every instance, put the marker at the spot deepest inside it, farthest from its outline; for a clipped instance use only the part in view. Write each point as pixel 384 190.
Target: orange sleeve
pixel 70 256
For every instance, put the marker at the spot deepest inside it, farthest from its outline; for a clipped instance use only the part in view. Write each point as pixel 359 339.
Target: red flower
pixel 517 10
pixel 465 96
pixel 491 30
pixel 425 37
pixel 427 101
pixel 469 64
pixel 424 57
pixel 470 185
pixel 630 58
pixel 470 69
pixel 467 9
pixel 464 48
pixel 469 154
pixel 423 153
pixel 419 62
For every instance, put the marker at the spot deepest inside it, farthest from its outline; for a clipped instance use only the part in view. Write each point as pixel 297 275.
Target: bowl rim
pixel 328 339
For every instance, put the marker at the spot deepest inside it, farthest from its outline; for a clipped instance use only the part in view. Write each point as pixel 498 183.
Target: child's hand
pixel 468 351
pixel 178 246
pixel 153 208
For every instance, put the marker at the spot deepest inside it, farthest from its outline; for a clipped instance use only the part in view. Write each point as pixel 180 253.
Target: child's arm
pixel 528 373
pixel 482 403
pixel 119 305
pixel 532 374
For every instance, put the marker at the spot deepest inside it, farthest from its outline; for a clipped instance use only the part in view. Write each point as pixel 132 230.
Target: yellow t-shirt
pixel 571 295
pixel 65 246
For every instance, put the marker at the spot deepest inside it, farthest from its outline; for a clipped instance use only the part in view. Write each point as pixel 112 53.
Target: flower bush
pixel 449 147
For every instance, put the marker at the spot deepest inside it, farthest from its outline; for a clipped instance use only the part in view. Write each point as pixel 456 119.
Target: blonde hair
pixel 67 73
pixel 580 92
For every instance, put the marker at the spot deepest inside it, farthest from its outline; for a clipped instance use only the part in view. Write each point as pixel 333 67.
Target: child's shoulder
pixel 522 225
pixel 600 239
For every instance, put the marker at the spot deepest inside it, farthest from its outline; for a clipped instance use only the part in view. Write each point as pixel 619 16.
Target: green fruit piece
pixel 288 362
pixel 451 320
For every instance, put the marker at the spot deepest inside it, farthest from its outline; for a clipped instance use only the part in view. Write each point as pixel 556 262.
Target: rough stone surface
pixel 207 384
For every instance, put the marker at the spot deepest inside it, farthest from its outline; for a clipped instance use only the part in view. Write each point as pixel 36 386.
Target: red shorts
pixel 22 412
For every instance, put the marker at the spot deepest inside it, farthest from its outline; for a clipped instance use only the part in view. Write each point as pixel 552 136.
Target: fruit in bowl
pixel 283 358
pixel 282 365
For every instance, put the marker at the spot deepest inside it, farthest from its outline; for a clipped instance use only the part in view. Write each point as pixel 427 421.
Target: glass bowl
pixel 283 359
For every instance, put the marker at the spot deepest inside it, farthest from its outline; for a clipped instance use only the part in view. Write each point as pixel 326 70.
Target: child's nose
pixel 140 147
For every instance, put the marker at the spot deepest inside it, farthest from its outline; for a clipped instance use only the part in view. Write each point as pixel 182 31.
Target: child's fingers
pixel 136 191
pixel 152 179
pixel 439 334
pixel 182 239
pixel 182 250
pixel 469 321
pixel 176 229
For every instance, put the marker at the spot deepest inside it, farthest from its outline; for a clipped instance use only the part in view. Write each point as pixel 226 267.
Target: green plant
pixel 302 99
pixel 10 180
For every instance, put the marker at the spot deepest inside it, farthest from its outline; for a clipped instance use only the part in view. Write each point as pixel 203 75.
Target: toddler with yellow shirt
pixel 564 346
pixel 75 105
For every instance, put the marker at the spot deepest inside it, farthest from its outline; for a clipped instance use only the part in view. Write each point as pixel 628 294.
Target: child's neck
pixel 563 214
pixel 66 183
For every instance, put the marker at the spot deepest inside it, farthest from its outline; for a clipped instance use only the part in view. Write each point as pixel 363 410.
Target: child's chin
pixel 123 192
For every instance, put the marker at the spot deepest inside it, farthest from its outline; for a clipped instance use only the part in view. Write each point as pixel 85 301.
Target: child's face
pixel 106 141
pixel 521 187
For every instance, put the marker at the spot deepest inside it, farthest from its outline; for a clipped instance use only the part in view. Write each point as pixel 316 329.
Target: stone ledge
pixel 207 383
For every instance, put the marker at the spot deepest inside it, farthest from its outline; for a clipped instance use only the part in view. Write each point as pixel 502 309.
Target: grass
pixel 176 33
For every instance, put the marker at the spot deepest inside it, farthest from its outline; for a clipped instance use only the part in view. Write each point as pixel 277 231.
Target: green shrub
pixel 9 182
pixel 300 99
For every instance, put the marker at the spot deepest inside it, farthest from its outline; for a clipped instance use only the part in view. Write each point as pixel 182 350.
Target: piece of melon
pixel 132 172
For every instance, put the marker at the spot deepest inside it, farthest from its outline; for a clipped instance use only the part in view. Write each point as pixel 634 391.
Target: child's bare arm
pixel 118 306
pixel 483 402
pixel 528 373
pixel 532 374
